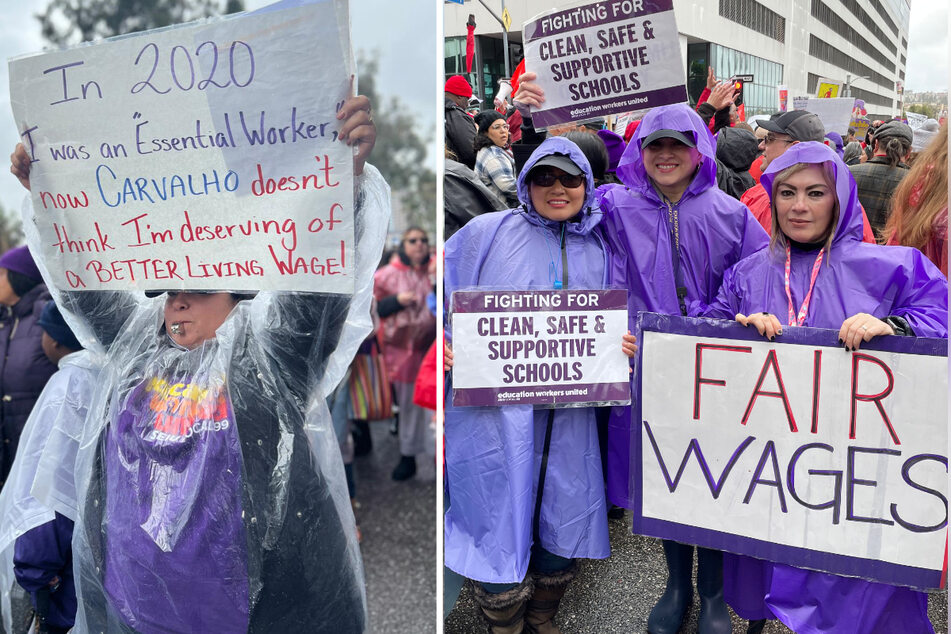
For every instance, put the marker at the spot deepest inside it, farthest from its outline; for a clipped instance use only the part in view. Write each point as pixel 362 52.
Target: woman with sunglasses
pixel 526 495
pixel 409 328
pixel 818 271
pixel 495 165
pixel 211 495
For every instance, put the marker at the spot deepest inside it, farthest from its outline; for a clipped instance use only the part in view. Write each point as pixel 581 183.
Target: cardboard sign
pixel 203 156
pixel 797 452
pixel 539 347
pixel 835 114
pixel 828 88
pixel 605 58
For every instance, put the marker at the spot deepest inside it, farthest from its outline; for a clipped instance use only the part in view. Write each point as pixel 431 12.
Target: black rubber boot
pixel 406 468
pixel 714 615
pixel 756 627
pixel 674 605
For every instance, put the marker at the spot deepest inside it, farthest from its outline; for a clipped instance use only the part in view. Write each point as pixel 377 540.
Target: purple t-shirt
pixel 175 549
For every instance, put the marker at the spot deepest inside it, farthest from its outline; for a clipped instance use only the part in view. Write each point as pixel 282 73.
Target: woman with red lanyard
pixel 817 272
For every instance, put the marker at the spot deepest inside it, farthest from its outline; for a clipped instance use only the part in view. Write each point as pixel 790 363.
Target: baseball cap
pixel 457 85
pixel 684 138
pixel 799 124
pixel 561 161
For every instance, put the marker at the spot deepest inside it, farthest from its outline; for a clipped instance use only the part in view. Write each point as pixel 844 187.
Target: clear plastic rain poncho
pixel 210 490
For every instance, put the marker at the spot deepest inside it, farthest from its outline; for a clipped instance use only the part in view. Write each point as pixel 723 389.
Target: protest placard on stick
pixel 202 156
pixel 605 58
pixel 796 452
pixel 539 347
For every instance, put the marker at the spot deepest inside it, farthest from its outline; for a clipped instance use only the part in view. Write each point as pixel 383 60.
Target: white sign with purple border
pixel 554 348
pixel 796 452
pixel 605 58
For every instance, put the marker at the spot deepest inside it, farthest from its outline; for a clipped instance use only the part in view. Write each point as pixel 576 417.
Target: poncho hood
pixel 590 215
pixel 737 148
pixel 849 226
pixel 678 117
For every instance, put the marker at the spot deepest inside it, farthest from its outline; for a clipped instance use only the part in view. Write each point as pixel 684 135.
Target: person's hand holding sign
pixel 529 94
pixel 765 323
pixel 358 129
pixel 862 327
pixel 20 165
pixel 629 345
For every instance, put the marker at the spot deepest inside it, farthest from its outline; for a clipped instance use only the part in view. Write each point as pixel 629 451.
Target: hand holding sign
pixel 862 327
pixel 766 324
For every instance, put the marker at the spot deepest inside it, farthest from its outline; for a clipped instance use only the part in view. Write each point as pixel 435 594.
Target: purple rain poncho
pixel 716 231
pixel 493 454
pixel 210 490
pixel 855 277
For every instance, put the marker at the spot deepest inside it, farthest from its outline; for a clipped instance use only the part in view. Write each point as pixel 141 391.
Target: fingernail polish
pixel 841 343
pixel 773 338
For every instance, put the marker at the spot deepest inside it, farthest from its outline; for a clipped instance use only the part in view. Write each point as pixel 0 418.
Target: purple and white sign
pixel 605 58
pixel 794 450
pixel 554 348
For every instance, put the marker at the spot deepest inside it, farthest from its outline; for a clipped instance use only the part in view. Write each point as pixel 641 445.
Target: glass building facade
pixel 760 95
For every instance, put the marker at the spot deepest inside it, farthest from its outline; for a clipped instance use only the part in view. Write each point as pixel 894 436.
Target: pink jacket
pixel 408 333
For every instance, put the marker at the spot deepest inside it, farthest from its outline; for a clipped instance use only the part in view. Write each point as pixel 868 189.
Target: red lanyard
pixel 796 320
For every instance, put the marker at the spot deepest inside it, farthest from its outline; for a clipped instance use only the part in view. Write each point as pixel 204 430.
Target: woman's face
pixel 7 296
pixel 499 132
pixel 804 204
pixel 671 165
pixel 555 201
pixel 193 318
pixel 416 246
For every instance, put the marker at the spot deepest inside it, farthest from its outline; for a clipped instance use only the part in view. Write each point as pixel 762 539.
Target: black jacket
pixel 460 134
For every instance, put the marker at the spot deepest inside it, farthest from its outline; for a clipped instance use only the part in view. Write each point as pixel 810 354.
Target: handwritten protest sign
pixel 915 120
pixel 605 58
pixel 203 156
pixel 539 347
pixel 796 452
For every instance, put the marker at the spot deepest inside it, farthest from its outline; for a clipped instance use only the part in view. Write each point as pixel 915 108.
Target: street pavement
pixel 616 594
pixel 398 521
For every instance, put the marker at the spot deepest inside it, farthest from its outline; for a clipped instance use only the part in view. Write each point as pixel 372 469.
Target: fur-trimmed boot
pixel 505 611
pixel 674 605
pixel 542 607
pixel 714 615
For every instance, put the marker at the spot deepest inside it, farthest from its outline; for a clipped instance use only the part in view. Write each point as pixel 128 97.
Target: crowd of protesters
pixel 695 213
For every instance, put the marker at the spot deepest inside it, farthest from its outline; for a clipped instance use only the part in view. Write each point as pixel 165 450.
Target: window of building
pixel 698 59
pixel 760 95
pixel 828 53
pixel 834 21
pixel 866 19
pixel 753 15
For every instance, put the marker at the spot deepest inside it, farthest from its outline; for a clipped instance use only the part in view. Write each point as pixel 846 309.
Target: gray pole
pixel 505 35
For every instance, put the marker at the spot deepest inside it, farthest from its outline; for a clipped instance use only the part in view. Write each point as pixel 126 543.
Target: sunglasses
pixel 547 179
pixel 415 240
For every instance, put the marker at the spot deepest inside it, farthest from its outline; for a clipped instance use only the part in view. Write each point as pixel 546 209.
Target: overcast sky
pixel 927 46
pixel 407 26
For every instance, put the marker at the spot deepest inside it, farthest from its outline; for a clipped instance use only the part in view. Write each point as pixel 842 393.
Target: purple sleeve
pixel 42 553
pixel 727 303
pixel 924 302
